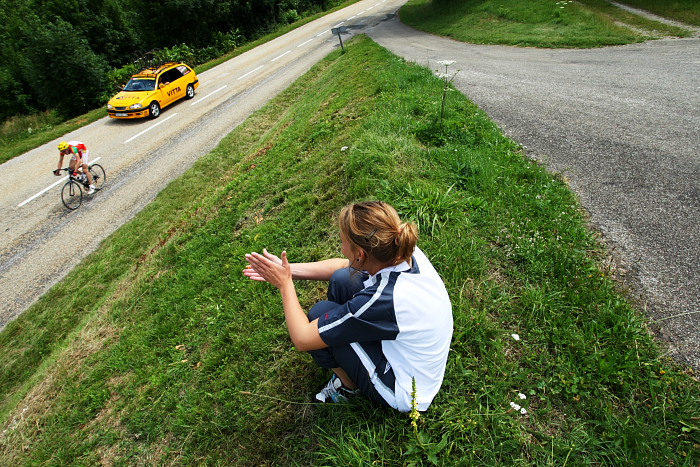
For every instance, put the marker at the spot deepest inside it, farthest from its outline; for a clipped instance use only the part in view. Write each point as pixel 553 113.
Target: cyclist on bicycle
pixel 79 158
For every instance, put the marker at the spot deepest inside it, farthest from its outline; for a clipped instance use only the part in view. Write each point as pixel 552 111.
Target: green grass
pixel 535 23
pixel 157 351
pixel 685 11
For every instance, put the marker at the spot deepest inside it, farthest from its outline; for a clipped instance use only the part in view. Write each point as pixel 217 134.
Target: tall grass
pixel 25 132
pixel 177 359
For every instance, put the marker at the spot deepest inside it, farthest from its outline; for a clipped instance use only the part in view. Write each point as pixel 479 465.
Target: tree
pixel 16 25
pixel 64 73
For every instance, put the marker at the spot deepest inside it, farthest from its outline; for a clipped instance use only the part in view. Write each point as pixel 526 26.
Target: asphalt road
pixel 622 124
pixel 40 241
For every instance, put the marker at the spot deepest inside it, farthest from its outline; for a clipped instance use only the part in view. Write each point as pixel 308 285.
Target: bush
pixel 63 71
pixel 12 100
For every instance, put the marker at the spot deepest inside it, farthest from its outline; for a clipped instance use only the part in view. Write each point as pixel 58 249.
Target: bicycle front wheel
pixel 72 195
pixel 99 177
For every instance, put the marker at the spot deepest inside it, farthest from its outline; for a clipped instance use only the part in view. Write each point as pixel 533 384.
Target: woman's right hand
pixel 250 271
pixel 266 268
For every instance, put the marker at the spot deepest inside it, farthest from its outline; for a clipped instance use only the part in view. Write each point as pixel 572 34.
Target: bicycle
pixel 72 192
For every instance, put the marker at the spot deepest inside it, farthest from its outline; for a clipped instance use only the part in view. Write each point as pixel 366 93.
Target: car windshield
pixel 140 84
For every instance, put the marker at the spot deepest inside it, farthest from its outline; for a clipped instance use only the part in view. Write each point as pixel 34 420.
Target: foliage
pixel 174 358
pixel 58 54
pixel 11 96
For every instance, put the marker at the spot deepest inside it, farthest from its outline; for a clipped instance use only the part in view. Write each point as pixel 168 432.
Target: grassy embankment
pixel 157 351
pixel 545 23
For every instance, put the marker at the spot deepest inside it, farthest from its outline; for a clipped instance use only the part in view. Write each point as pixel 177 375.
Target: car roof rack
pixel 153 72
pixel 150 64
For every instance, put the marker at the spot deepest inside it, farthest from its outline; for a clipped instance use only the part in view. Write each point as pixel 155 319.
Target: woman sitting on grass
pixel 387 320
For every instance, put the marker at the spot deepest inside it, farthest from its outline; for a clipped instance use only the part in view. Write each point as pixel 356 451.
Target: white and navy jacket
pixel 408 310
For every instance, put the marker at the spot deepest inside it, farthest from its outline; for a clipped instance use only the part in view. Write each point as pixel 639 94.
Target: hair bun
pixel 376 227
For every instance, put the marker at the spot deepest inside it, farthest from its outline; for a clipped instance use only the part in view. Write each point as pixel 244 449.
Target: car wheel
pixel 190 91
pixel 154 109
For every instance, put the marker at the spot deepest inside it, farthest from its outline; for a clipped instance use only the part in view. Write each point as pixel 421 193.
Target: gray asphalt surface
pixel 622 124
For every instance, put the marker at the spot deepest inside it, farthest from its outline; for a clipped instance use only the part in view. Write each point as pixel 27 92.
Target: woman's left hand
pixel 269 268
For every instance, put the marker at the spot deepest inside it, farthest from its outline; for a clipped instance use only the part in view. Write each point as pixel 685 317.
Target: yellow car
pixel 153 89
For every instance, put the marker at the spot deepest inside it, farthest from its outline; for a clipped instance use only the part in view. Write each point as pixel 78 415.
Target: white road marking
pixel 213 92
pixel 149 129
pixel 304 43
pixel 251 72
pixel 48 188
pixel 280 56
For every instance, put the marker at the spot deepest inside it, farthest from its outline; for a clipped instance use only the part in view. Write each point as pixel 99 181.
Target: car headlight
pixel 136 106
pixel 110 107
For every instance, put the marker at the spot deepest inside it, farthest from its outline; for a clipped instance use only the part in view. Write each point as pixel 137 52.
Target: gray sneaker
pixel 335 392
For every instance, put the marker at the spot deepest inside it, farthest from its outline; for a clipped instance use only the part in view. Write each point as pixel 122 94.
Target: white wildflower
pixel 344 148
pixel 522 396
pixel 515 336
pixel 523 411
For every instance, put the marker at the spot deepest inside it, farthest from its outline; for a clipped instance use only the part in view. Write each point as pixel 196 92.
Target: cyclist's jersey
pixel 78 149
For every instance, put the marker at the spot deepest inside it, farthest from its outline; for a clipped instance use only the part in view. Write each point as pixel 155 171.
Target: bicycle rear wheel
pixel 99 177
pixel 72 195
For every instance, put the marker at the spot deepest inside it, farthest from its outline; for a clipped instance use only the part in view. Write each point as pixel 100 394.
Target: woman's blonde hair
pixel 376 227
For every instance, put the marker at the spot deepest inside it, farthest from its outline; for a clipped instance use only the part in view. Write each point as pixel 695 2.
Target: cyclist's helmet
pixel 62 146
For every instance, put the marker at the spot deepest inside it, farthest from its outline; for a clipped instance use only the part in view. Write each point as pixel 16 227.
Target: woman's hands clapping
pixel 268 267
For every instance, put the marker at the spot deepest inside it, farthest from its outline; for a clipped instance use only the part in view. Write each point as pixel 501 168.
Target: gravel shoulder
pixel 621 124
